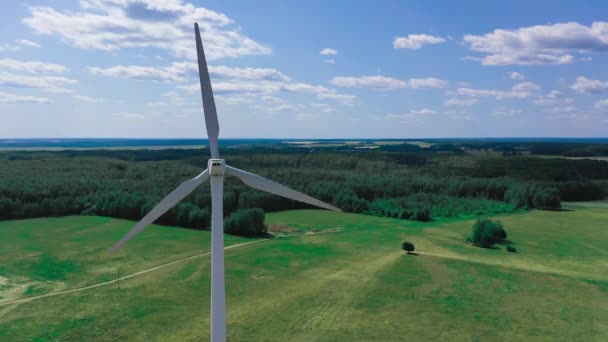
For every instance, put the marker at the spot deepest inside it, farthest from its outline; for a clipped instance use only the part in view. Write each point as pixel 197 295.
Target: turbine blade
pixel 267 185
pixel 163 206
pixel 213 126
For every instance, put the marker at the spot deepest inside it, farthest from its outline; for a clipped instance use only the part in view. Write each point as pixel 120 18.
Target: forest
pixel 394 181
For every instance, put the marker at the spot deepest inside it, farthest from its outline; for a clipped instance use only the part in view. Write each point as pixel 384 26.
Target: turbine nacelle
pixel 216 167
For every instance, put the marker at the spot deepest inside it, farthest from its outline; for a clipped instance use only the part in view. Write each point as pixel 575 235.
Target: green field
pixel 352 282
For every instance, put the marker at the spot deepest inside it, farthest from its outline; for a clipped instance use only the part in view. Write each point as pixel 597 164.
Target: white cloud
pixel 88 98
pixel 386 83
pixel 344 99
pixel 46 83
pixel 111 25
pixel 498 94
pixel 9 98
pixel 541 44
pixel 517 76
pixel 561 109
pixel 423 111
pixel 31 66
pixel 428 82
pixel 460 102
pixel 181 71
pixel 506 112
pixel 584 85
pixel 330 61
pixel 602 104
pixel 329 52
pixel 526 86
pixel 412 115
pixel 8 47
pixel 283 108
pixel 415 41
pixel 29 43
pixel 375 82
pixel 554 97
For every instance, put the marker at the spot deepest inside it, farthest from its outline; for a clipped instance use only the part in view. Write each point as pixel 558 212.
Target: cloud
pixel 386 83
pixel 460 102
pixel 329 52
pixel 411 116
pixel 9 98
pixel 554 97
pixel 517 76
pixel 526 86
pixel 344 99
pixel 602 104
pixel 5 47
pixel 498 94
pixel 88 98
pixel 31 66
pixel 423 111
pixel 283 108
pixel 29 43
pixel 112 25
pixel 584 85
pixel 247 82
pixel 46 83
pixel 330 61
pixel 428 82
pixel 375 82
pixel 416 41
pixel 541 44
pixel 506 112
pixel 181 71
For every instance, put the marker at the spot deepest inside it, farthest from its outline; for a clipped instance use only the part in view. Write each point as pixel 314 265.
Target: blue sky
pixel 305 69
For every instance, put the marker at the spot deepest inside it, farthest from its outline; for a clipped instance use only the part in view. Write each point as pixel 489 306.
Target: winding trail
pixel 16 302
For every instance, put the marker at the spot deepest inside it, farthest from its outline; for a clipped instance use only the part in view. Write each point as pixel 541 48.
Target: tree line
pixel 127 184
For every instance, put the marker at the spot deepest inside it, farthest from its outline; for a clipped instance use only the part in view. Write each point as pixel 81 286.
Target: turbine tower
pixel 216 169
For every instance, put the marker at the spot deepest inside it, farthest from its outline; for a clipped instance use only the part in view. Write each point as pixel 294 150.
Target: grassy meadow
pixel 352 282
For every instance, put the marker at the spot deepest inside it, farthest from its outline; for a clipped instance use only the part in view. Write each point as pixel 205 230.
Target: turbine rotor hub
pixel 217 167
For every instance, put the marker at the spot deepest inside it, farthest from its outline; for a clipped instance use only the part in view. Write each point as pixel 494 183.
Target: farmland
pixel 352 283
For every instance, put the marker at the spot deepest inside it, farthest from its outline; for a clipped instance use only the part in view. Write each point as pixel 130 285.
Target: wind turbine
pixel 216 169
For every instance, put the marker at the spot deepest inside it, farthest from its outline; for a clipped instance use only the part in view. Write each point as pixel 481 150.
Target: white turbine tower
pixel 216 169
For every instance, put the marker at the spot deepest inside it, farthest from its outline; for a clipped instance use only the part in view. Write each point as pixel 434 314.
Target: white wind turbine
pixel 216 169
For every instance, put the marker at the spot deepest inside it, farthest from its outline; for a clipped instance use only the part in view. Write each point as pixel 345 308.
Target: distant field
pixel 353 283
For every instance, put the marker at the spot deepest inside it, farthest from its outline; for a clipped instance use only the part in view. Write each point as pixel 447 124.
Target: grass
pixel 353 284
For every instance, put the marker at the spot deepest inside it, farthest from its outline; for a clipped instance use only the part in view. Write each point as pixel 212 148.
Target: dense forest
pixel 404 182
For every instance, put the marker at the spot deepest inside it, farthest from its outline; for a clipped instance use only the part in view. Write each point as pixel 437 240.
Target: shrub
pixel 423 215
pixel 487 232
pixel 246 222
pixel 511 249
pixel 547 198
pixel 408 247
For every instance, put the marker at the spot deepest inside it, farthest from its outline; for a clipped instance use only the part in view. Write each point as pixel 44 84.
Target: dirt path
pixel 148 270
pixel 7 309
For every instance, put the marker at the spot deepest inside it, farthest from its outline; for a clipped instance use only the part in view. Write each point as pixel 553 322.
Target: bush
pixel 408 247
pixel 547 198
pixel 511 249
pixel 421 215
pixel 246 222
pixel 487 232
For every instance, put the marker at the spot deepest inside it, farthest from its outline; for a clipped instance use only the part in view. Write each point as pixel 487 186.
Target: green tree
pixel 246 222
pixel 487 232
pixel 408 247
pixel 547 198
